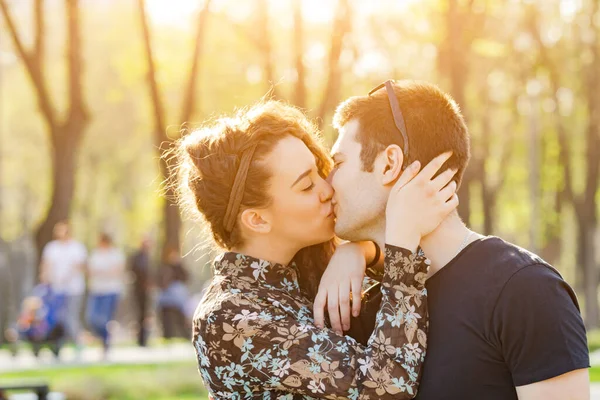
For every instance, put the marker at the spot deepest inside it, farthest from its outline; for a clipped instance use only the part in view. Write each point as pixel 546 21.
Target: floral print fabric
pixel 255 336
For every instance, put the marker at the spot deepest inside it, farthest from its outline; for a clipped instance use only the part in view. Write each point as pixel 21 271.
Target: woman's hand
pixel 341 284
pixel 418 203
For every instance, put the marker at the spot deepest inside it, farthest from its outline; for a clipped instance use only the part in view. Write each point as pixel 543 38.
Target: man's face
pixel 360 198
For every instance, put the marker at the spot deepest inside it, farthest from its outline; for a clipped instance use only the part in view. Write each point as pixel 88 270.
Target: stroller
pixel 40 320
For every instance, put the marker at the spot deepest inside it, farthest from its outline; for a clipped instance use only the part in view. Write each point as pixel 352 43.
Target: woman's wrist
pixel 404 239
pixel 368 250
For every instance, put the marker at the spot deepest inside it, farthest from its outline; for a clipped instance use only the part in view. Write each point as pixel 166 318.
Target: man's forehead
pixel 345 140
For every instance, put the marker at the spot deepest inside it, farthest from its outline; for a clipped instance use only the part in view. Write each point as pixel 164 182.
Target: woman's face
pixel 300 212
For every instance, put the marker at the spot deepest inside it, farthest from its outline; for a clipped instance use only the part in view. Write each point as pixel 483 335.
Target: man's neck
pixel 446 241
pixel 441 245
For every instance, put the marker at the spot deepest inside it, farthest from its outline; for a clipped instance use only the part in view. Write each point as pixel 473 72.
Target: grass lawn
pixel 123 382
pixel 175 381
pixel 595 374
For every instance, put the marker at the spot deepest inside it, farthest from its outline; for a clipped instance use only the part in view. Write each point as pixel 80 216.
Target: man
pixel 62 267
pixel 503 322
pixel 140 267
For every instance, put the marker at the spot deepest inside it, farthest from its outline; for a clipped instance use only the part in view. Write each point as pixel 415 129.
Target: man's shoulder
pixel 506 258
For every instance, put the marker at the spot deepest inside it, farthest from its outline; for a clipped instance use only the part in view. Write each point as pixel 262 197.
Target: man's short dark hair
pixel 433 120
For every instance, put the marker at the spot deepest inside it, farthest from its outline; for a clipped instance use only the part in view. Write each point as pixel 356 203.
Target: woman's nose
pixel 326 192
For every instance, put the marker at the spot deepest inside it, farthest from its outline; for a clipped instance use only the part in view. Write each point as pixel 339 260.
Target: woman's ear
pixel 391 166
pixel 255 221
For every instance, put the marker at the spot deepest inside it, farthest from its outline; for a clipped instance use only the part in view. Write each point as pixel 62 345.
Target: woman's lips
pixel 331 212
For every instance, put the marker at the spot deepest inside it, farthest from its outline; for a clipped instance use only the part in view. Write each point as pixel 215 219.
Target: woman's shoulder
pixel 220 301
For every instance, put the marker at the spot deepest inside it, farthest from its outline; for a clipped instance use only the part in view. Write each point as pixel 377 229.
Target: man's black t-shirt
pixel 499 317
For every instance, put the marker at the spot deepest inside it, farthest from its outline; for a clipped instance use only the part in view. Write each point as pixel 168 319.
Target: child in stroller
pixel 40 319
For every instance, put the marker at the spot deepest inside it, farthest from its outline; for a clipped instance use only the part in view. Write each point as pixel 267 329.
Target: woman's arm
pixel 251 348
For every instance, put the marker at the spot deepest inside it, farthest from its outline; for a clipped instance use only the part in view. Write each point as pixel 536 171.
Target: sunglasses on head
pixel 397 113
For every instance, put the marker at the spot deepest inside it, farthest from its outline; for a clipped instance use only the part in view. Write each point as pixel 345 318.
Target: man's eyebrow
pixel 302 175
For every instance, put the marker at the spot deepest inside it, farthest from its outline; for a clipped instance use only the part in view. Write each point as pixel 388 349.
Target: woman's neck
pixel 267 249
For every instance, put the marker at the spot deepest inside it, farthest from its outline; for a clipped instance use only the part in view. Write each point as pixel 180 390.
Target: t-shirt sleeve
pixel 47 251
pixel 81 253
pixel 538 326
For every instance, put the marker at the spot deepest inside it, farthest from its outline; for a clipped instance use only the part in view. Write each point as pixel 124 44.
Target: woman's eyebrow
pixel 302 175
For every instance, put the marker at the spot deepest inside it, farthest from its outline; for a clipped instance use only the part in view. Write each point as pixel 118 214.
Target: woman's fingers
pixel 447 192
pixel 319 308
pixel 429 171
pixel 451 204
pixel 345 312
pixel 356 296
pixel 444 178
pixel 333 309
pixel 407 175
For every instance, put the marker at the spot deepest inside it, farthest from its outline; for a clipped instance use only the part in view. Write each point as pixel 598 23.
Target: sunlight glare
pixel 172 12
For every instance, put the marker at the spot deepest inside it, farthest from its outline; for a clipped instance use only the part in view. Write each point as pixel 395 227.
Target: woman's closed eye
pixel 312 185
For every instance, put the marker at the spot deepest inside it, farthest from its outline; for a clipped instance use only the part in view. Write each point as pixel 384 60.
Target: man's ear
pixel 255 220
pixel 391 164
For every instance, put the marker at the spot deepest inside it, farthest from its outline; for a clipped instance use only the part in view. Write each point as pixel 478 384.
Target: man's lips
pixel 332 213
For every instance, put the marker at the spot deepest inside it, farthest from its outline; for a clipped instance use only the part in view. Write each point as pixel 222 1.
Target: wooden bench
pixel 40 389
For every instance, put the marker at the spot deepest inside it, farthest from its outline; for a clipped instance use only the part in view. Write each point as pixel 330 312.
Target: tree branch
pixel 39 24
pixel 159 117
pixel 34 70
pixel 189 100
pixel 77 113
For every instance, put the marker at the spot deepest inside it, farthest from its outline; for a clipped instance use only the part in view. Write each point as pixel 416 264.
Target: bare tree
pixel 66 130
pixel 172 218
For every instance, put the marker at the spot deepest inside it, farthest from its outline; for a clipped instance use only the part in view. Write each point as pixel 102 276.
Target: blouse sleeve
pixel 250 349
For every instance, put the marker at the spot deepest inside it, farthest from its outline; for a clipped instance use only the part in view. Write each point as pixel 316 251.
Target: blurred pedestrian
pixel 140 267
pixel 62 267
pixel 173 296
pixel 106 271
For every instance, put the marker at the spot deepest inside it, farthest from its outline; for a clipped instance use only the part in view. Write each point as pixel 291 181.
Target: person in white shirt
pixel 106 271
pixel 62 267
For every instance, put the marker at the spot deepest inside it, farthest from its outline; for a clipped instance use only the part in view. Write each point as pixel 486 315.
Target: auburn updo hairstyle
pixel 208 164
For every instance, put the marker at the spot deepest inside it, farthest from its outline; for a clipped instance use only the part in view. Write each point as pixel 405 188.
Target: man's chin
pixel 344 233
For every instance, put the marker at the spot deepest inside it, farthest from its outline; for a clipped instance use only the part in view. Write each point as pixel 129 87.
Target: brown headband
pixel 237 190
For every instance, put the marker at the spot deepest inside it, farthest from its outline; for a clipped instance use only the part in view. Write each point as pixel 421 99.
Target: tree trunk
pixel 586 258
pixel 171 213
pixel 65 135
pixel 588 214
pixel 331 93
pixel 264 42
pixel 300 86
pixel 454 52
pixel 63 185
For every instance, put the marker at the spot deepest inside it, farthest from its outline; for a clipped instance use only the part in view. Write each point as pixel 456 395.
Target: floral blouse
pixel 255 336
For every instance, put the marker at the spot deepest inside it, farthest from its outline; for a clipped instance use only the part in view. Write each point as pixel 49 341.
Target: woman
pixel 106 269
pixel 258 181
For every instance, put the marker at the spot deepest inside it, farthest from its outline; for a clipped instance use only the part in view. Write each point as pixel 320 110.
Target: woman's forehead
pixel 290 158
